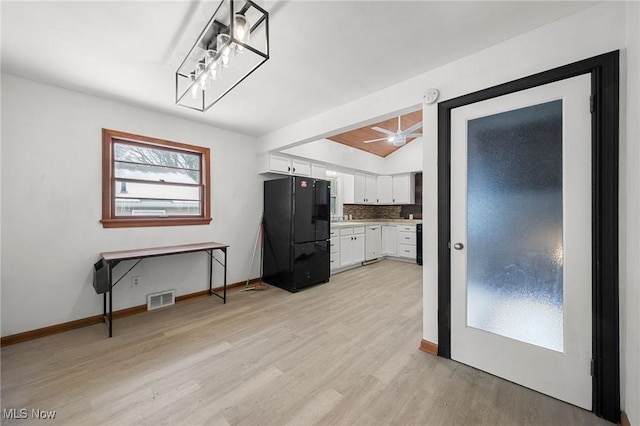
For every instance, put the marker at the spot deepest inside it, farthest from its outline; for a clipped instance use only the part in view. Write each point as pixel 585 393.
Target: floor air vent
pixel 159 300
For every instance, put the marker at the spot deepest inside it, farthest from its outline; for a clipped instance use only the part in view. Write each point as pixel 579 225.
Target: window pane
pixel 156 191
pixel 137 207
pixel 156 173
pixel 515 225
pixel 155 156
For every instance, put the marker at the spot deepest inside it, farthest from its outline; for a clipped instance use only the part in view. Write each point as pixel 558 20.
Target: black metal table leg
pixel 210 272
pixel 224 290
pixel 110 325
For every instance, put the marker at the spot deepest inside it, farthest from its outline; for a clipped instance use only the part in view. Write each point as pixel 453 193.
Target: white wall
pixel 597 30
pixel 51 205
pixel 630 219
pixel 406 159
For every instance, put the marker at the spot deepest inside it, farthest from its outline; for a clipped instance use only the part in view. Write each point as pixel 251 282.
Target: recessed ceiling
pixel 323 53
pixel 355 138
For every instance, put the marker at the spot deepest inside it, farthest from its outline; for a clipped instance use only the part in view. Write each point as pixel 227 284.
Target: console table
pixel 103 277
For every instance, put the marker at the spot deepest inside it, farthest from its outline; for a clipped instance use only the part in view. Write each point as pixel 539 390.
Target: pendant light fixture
pixel 233 44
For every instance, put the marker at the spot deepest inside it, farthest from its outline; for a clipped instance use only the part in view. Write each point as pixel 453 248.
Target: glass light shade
pixel 212 63
pixel 194 88
pixel 223 42
pixel 241 30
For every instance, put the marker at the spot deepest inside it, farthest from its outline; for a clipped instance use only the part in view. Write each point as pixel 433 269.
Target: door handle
pixel 458 246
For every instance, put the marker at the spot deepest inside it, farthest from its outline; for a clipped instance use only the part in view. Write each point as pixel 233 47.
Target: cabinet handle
pixel 294 169
pixel 394 200
pixel 288 169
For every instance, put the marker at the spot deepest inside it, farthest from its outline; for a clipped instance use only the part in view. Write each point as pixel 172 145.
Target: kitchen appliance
pixel 296 222
pixel 419 243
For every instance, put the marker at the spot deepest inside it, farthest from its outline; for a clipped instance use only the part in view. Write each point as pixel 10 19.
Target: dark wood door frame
pixel 604 71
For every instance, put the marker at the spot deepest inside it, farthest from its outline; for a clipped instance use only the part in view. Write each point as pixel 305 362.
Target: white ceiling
pixel 323 53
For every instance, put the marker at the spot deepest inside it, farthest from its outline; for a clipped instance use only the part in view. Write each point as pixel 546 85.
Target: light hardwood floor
pixel 341 353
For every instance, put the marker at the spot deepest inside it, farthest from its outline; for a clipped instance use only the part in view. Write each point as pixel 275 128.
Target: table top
pixel 161 251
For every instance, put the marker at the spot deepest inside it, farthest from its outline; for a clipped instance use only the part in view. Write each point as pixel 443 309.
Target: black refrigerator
pixel 296 222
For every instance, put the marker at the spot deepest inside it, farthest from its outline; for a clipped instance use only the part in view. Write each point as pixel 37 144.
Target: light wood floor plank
pixel 341 353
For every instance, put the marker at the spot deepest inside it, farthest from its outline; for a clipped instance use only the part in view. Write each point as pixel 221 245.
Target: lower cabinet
pixel 334 245
pixel 389 240
pixel 351 246
pixel 407 241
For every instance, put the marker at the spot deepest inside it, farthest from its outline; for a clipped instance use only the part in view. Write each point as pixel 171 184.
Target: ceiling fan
pixel 399 137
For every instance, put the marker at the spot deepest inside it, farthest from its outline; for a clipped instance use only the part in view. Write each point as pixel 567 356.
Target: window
pixel 153 182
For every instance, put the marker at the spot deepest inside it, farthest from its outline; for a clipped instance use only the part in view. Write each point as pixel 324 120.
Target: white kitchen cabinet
pixel 352 246
pixel 300 167
pixel 404 189
pixel 370 189
pixel 407 241
pixel 373 242
pixel 318 171
pixel 365 188
pixel 347 182
pixel 334 246
pixel 279 164
pixel 359 184
pixel 385 190
pixel 389 240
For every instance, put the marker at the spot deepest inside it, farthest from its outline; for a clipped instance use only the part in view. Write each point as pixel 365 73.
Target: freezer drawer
pixel 311 264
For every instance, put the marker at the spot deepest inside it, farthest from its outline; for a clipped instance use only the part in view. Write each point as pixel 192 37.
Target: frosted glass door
pixel 521 238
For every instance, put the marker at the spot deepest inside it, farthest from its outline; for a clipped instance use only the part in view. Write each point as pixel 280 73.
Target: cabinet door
pixel 348 194
pixel 279 164
pixel 404 189
pixel 359 188
pixel 357 248
pixel 370 189
pixel 385 190
pixel 389 240
pixel 346 250
pixel 301 167
pixel 318 171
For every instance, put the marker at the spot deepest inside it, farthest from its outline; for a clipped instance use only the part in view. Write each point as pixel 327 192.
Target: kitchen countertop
pixel 365 222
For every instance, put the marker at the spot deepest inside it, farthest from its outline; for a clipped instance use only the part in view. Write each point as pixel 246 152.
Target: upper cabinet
pixel 282 164
pixel 404 189
pixel 278 164
pixel 385 190
pixel 318 171
pixel 371 189
pixel 300 167
pixel 365 188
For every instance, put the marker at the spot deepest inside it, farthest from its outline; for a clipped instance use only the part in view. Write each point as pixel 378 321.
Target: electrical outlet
pixel 136 281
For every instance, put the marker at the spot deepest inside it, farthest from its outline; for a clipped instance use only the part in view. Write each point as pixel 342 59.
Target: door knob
pixel 458 246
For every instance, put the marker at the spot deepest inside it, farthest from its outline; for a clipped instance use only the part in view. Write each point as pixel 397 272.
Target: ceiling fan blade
pixel 414 135
pixel 375 140
pixel 413 128
pixel 381 130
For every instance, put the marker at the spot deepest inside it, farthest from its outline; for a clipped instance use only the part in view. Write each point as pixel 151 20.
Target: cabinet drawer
pixel 334 244
pixel 346 231
pixel 358 230
pixel 334 233
pixel 407 228
pixel 335 261
pixel 408 238
pixel 407 251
